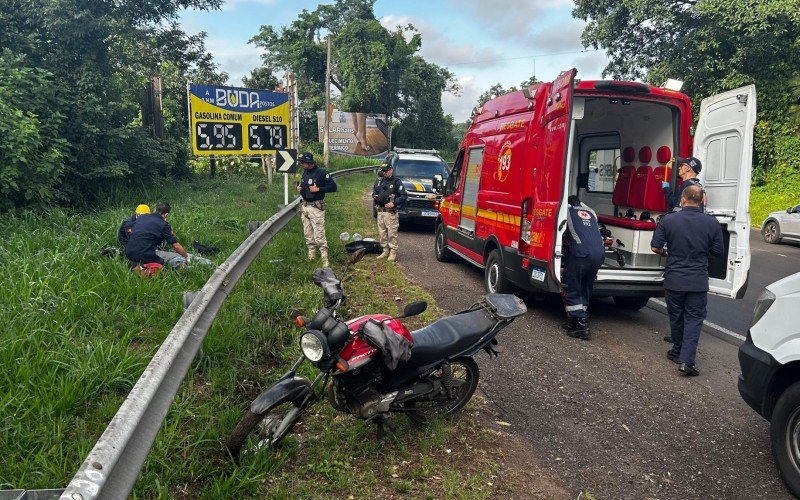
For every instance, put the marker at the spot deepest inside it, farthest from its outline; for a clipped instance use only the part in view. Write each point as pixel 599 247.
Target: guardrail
pixel 111 468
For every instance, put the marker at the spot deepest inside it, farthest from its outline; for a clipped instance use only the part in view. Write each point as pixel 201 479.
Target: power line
pixel 534 56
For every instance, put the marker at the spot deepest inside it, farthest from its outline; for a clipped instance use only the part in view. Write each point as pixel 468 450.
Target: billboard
pixel 237 121
pixel 355 134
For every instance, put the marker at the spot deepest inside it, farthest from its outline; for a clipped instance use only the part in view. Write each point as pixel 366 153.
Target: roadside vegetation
pixel 79 329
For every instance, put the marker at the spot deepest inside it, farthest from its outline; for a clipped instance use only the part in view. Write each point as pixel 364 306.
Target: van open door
pixel 723 143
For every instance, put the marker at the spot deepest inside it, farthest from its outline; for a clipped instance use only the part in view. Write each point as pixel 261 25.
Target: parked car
pixel 770 378
pixel 781 224
pixel 416 168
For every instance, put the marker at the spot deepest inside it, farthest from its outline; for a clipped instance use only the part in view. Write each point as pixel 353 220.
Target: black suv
pixel 416 168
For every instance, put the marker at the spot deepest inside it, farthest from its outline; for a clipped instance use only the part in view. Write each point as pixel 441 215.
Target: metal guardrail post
pixel 111 469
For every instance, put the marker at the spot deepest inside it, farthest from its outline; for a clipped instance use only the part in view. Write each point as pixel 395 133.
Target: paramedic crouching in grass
pixel 148 232
pixel 584 254
pixel 687 238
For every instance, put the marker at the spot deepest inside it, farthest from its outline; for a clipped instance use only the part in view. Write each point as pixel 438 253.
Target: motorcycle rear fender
pixel 292 389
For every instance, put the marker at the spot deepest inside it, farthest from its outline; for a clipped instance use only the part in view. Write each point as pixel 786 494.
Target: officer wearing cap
pixel 312 188
pixel 125 229
pixel 148 232
pixel 583 256
pixel 389 196
pixel 687 238
pixel 688 169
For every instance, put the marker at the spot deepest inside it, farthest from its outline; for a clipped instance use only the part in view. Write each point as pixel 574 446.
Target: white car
pixel 770 378
pixel 781 224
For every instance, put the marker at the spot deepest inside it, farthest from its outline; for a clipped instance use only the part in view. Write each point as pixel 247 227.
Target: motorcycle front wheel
pixel 463 379
pixel 256 431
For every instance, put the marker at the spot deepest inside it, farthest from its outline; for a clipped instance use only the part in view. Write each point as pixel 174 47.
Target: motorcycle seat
pixel 449 336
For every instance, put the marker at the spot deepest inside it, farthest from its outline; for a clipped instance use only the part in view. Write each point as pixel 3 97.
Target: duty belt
pixel 319 204
pixel 384 209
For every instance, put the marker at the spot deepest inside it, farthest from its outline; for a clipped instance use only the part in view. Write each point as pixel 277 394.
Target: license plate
pixel 537 273
pixel 430 213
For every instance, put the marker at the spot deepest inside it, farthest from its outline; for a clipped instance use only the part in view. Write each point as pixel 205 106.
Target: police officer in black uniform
pixel 690 236
pixel 583 256
pixel 149 231
pixel 688 169
pixel 390 196
pixel 312 188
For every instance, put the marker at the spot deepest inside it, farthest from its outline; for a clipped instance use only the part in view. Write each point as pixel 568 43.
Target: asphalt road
pixel 613 415
pixel 768 264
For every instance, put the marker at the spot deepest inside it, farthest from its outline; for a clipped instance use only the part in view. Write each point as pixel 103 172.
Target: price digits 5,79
pixel 214 135
pixel 267 137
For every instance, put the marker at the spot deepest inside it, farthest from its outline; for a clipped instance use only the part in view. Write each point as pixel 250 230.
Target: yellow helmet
pixel 142 209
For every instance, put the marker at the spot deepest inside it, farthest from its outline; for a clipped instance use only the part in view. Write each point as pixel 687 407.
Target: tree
pixel 497 90
pixel 261 78
pixel 370 62
pixel 712 45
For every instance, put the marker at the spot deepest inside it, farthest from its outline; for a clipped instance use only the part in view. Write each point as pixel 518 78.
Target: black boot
pixel 581 330
pixel 570 324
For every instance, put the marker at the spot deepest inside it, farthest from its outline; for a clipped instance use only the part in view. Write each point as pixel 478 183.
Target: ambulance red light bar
pixel 622 87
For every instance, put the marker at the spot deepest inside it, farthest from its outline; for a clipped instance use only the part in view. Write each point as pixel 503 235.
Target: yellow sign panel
pixel 237 121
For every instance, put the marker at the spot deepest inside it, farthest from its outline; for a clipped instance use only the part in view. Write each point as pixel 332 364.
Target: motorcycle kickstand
pixel 380 422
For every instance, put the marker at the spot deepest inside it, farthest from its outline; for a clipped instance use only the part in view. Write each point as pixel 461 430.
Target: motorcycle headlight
pixel 763 304
pixel 314 345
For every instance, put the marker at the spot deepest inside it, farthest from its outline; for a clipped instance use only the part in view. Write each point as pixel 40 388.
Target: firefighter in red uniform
pixel 583 256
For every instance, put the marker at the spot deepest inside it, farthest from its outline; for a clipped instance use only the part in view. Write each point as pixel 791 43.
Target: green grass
pixel 78 330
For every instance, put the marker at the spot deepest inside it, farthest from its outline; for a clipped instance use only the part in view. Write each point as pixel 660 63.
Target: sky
pixel 482 42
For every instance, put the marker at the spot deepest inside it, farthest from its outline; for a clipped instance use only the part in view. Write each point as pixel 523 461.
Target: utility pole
pixel 326 146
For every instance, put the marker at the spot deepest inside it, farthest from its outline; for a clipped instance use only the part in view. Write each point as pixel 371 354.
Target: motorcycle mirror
pixel 414 308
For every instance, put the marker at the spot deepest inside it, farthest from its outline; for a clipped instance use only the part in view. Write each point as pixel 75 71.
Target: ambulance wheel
pixel 494 275
pixel 440 245
pixel 630 303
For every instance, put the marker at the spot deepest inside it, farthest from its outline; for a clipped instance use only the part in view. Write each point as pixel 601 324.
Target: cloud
pixel 437 49
pixel 234 58
pixel 558 38
pixel 591 65
pixel 461 106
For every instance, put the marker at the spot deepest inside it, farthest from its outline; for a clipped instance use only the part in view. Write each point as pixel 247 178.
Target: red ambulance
pixel 505 201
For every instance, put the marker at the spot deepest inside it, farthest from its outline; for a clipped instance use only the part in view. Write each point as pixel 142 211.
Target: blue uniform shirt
pixel 584 239
pixel 691 236
pixel 148 232
pixel 674 197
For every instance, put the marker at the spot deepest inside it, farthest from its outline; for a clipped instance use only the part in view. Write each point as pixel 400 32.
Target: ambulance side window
pixel 454 179
pixel 602 170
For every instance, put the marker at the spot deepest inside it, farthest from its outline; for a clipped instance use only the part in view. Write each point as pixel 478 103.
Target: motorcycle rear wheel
pixel 465 375
pixel 256 431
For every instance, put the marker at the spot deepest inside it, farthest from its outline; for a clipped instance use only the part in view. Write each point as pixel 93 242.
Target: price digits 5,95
pixel 266 137
pixel 214 135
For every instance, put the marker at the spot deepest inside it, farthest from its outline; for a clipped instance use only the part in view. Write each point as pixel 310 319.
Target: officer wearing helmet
pixel 389 196
pixel 124 231
pixel 312 188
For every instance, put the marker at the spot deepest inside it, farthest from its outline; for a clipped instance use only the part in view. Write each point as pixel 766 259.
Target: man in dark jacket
pixel 312 188
pixel 583 256
pixel 687 238
pixel 126 228
pixel 389 196
pixel 148 233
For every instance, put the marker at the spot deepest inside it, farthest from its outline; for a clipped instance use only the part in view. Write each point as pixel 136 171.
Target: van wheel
pixel 772 232
pixel 630 303
pixel 785 436
pixel 494 275
pixel 440 245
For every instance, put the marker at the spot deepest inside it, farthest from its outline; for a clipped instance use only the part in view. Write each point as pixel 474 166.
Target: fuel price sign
pixel 237 121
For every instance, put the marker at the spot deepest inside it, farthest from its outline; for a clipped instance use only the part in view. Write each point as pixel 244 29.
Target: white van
pixel 770 378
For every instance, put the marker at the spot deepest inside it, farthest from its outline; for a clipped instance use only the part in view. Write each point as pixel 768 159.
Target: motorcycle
pixel 373 365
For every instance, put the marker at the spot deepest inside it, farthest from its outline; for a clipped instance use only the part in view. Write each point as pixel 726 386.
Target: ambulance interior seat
pixel 639 190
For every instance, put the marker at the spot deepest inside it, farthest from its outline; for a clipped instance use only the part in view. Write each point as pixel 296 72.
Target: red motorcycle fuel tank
pixel 358 351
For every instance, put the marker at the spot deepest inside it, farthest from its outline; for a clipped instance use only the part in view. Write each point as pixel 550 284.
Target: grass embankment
pixel 777 194
pixel 78 330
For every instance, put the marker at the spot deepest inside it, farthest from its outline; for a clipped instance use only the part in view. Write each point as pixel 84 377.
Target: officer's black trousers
pixel 686 311
pixel 579 276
